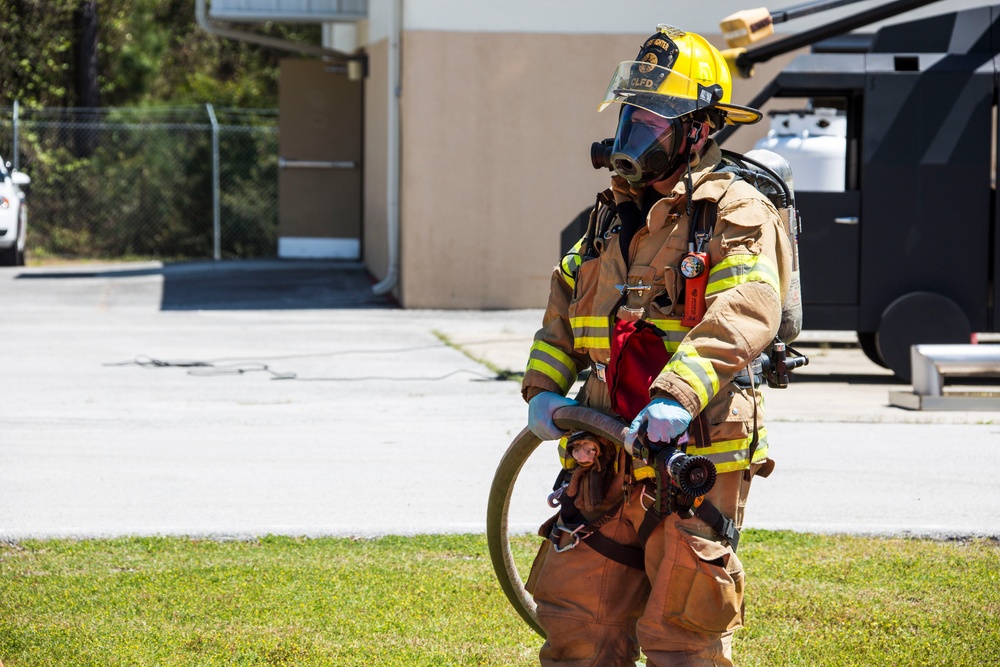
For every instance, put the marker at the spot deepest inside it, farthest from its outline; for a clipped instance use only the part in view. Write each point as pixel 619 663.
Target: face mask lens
pixel 643 146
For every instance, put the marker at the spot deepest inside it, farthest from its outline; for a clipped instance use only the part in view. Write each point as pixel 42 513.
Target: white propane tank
pixel 814 141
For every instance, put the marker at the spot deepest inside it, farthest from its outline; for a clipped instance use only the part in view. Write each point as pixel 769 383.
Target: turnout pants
pixel 681 610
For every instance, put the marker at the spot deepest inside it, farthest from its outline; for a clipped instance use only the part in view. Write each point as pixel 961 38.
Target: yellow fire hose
pixel 570 418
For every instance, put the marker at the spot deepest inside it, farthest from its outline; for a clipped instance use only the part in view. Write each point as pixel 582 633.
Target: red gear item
pixel 638 355
pixel 694 268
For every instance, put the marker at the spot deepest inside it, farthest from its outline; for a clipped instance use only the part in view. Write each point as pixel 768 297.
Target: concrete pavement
pixel 236 399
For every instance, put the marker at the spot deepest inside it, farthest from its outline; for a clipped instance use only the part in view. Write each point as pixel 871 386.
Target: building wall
pixel 498 111
pixel 497 129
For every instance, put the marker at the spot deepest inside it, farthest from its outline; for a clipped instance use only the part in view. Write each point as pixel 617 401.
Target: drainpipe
pixel 201 16
pixel 392 169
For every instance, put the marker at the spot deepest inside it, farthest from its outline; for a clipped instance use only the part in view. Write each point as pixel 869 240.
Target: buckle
pixel 599 372
pixel 625 288
pixel 751 375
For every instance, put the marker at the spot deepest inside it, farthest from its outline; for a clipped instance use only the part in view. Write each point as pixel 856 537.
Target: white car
pixel 13 215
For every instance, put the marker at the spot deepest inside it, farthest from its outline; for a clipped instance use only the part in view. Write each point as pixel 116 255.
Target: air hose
pixel 570 418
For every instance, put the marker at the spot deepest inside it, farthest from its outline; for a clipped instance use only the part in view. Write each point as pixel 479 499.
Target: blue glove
pixel 540 411
pixel 665 419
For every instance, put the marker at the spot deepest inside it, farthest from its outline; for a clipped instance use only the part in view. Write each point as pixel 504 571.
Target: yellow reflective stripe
pixel 645 472
pixel 696 371
pixel 553 363
pixel 670 326
pixel 736 457
pixel 570 263
pixel 742 268
pixel 565 458
pixel 760 453
pixel 738 460
pixel 727 455
pixel 731 271
pixel 555 353
pixel 726 446
pixel 550 372
pixel 588 322
pixel 590 333
pixel 674 331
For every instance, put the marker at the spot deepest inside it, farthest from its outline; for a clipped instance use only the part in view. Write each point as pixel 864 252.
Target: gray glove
pixel 540 411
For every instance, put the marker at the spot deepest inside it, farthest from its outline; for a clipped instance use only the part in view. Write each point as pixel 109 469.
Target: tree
pixel 140 52
pixel 85 39
pixel 85 36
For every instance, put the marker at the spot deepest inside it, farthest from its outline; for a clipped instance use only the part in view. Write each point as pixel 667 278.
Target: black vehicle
pixel 907 253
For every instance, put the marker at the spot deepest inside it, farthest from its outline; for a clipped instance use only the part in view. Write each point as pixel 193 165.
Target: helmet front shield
pixel 658 89
pixel 670 94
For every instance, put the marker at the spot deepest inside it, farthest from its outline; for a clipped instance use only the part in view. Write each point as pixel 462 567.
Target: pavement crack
pixel 501 373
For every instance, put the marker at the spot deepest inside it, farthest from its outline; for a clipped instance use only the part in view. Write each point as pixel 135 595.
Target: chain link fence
pixel 169 183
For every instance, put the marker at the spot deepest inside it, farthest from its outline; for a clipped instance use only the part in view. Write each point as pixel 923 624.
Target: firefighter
pixel 619 576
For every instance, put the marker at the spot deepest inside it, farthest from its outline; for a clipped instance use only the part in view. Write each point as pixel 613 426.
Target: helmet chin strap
pixel 695 139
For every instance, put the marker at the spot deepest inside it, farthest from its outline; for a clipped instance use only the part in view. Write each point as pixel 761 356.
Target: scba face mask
pixel 647 146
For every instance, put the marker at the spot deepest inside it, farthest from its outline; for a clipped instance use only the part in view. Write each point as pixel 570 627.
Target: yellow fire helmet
pixel 677 73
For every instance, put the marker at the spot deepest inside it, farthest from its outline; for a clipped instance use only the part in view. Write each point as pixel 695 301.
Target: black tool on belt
pixel 774 367
pixel 777 363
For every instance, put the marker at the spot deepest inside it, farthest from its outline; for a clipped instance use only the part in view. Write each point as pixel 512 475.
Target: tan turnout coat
pixel 750 265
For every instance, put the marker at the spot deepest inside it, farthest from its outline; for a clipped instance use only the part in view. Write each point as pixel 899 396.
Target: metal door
pixel 319 175
pixel 829 251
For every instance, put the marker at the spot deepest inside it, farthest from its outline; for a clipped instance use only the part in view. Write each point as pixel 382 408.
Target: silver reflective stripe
pixel 553 363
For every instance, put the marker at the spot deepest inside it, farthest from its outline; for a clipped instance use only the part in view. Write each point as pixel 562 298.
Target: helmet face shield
pixel 655 88
pixel 677 73
pixel 646 145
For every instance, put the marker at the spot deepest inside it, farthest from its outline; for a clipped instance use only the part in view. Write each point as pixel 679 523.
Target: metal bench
pixel 931 363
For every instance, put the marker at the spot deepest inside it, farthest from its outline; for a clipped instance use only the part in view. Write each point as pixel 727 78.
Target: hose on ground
pixel 569 418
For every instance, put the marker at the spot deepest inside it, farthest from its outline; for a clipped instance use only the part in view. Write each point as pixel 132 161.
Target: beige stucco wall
pixel 496 134
pixel 498 110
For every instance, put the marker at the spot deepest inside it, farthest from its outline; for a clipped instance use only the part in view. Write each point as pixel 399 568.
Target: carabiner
pixel 575 533
pixel 554 498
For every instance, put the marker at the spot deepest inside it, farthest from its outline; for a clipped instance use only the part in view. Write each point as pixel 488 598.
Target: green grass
pixel 433 600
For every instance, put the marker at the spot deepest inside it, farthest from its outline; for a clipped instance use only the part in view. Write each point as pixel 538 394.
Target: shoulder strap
pixel 762 178
pixel 631 219
pixel 703 219
pixel 602 217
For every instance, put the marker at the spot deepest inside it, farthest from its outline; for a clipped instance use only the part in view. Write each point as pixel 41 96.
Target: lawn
pixel 433 601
